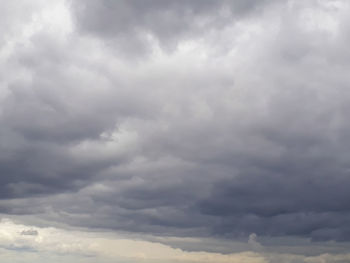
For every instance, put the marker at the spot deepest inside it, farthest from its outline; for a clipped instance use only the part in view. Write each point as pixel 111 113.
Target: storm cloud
pixel 203 119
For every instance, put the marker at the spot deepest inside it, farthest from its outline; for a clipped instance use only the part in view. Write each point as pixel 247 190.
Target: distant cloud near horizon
pixel 170 120
pixel 29 232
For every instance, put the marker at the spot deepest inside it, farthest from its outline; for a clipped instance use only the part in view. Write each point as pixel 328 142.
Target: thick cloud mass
pixel 130 23
pixel 178 118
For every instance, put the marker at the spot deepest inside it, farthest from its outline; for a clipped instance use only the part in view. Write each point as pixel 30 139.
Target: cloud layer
pixel 59 245
pixel 206 119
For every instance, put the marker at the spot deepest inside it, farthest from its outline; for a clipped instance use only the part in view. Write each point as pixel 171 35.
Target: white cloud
pixel 56 244
pixel 102 246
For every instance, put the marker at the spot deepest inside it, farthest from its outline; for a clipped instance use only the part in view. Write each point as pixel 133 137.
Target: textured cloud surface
pixel 224 122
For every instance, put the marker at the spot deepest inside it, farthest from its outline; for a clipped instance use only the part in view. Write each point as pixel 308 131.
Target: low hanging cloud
pixel 58 244
pixel 190 119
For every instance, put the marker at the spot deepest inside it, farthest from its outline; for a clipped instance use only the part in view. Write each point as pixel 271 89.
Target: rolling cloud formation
pixel 213 119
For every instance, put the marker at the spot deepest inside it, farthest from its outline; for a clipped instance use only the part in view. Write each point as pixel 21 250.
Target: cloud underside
pixel 177 118
pixel 57 245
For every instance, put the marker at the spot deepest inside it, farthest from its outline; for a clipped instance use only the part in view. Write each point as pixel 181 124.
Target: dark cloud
pixel 244 130
pixel 127 25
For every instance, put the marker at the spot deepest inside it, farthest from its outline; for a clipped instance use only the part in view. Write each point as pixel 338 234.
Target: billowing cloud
pixel 187 119
pixel 132 25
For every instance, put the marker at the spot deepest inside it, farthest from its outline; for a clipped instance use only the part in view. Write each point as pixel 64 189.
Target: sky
pixel 174 131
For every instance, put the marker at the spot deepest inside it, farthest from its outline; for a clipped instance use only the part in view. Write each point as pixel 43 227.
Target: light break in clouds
pixel 175 131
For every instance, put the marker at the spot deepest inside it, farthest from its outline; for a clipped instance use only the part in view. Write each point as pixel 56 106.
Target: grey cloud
pixel 30 232
pixel 127 23
pixel 13 15
pixel 45 114
pixel 222 145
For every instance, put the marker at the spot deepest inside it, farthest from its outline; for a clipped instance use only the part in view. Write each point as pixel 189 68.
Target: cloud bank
pixel 189 119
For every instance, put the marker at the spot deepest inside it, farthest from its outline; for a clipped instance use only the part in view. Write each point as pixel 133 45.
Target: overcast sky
pixel 206 131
